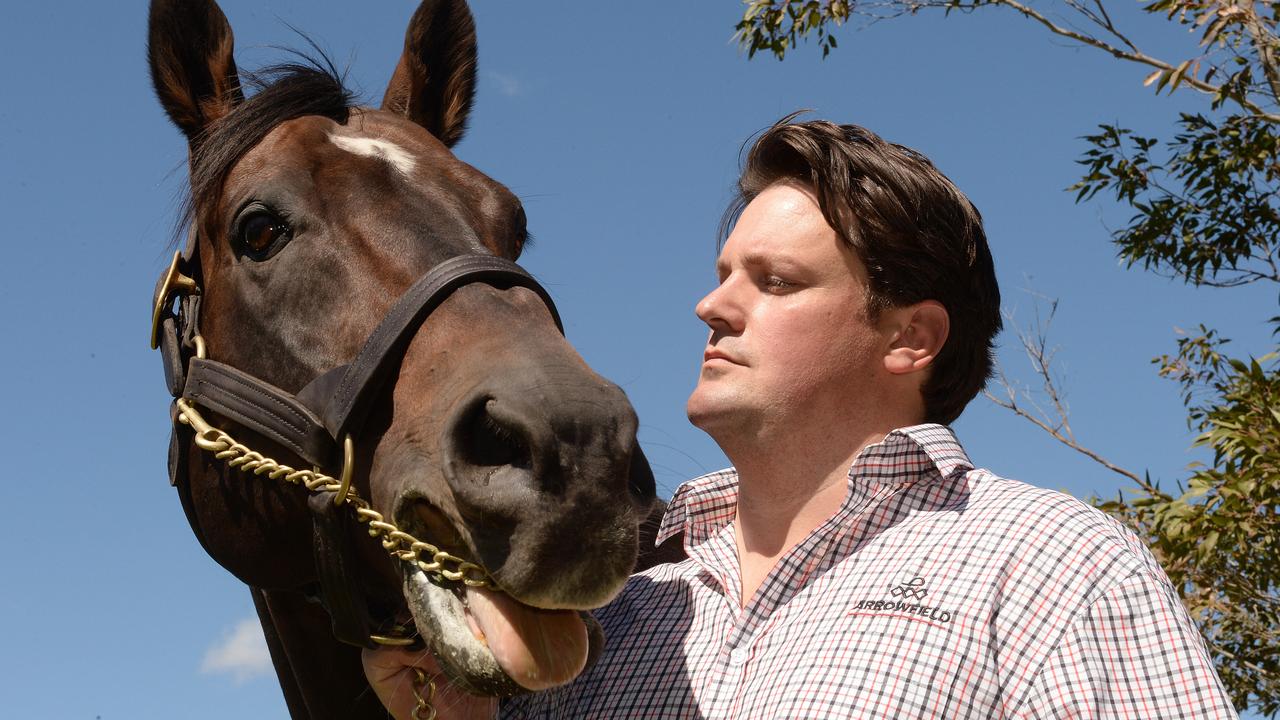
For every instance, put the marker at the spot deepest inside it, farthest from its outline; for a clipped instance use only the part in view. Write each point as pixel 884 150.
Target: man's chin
pixel 715 412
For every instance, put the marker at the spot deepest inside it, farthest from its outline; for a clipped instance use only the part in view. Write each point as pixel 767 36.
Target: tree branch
pixel 1264 44
pixel 1035 343
pixel 1132 55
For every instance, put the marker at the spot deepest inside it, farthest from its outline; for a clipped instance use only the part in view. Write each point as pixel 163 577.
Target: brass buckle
pixel 348 466
pixel 175 283
pixel 394 640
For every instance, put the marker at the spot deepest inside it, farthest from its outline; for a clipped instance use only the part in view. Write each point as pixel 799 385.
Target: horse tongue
pixel 537 648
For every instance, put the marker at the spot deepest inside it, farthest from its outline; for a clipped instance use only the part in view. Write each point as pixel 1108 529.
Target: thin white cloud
pixel 507 84
pixel 241 653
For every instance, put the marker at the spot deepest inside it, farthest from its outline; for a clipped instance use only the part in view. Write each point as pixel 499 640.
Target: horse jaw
pixel 489 644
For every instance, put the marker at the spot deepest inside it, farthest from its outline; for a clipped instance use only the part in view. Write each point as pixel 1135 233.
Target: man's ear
pixel 922 330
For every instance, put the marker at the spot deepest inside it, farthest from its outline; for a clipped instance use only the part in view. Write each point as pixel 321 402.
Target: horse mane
pixel 283 92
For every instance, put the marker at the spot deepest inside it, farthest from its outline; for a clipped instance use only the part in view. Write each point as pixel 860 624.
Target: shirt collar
pixel 907 455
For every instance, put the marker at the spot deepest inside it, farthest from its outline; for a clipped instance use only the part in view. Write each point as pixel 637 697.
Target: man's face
pixel 790 340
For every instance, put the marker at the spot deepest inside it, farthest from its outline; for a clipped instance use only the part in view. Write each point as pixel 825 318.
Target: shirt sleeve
pixel 1132 653
pixel 526 707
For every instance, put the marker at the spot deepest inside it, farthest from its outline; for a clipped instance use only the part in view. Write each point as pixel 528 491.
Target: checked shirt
pixel 936 591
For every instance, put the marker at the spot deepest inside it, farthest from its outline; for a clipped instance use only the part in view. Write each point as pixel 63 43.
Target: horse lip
pixel 443 617
pixel 440 616
pixel 426 521
pixel 450 532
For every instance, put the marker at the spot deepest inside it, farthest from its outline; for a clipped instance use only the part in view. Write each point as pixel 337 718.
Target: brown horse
pixel 484 433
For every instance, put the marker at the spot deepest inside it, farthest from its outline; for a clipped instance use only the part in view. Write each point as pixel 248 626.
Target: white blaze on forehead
pixel 374 147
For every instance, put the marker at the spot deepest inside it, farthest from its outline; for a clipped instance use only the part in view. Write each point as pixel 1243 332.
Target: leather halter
pixel 314 423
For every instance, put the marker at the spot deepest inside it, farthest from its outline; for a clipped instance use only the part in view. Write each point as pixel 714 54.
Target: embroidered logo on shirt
pixel 904 600
pixel 912 589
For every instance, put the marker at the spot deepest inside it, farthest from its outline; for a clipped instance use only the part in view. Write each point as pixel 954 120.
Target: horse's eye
pixel 523 238
pixel 259 232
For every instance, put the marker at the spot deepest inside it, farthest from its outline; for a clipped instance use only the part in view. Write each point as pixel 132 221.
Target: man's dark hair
pixel 918 236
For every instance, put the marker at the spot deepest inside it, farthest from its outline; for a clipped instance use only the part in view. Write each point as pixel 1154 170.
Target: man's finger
pixel 393 673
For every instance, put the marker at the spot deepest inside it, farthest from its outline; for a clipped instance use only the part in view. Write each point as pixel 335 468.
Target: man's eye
pixel 777 283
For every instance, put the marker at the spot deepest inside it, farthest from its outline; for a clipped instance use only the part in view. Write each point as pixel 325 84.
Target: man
pixel 853 562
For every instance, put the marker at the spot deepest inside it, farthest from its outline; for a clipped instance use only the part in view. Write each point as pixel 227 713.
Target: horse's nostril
pixel 486 438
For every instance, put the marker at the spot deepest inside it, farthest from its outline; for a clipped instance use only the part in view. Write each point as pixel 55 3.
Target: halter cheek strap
pixel 349 402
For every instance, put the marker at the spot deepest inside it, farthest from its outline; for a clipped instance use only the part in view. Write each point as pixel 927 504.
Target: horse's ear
pixel 436 79
pixel 189 47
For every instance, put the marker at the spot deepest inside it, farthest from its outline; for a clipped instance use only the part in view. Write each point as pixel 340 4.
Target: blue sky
pixel 619 124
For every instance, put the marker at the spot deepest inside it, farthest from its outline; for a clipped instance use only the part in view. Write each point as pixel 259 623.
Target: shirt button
pixel 737 656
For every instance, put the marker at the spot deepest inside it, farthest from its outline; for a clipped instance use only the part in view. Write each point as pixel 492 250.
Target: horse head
pixel 490 437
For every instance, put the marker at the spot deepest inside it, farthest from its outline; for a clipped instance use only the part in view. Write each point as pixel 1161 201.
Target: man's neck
pixel 785 493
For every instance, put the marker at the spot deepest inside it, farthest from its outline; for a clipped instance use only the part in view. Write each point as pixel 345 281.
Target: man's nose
pixel 721 309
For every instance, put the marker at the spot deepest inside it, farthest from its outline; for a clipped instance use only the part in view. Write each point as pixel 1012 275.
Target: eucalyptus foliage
pixel 1205 211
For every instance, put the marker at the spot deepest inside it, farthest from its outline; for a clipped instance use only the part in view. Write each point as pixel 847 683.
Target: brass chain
pixel 424 710
pixel 399 544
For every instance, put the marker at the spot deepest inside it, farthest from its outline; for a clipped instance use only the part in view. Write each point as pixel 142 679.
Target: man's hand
pixel 391 672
